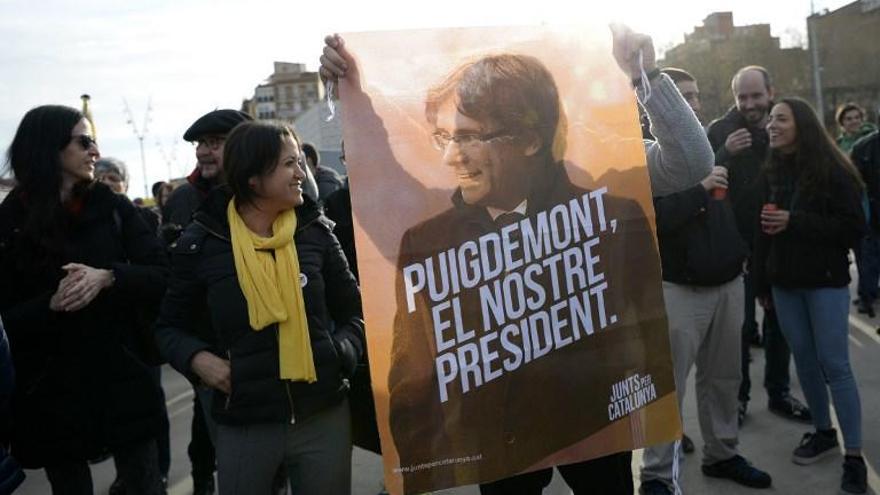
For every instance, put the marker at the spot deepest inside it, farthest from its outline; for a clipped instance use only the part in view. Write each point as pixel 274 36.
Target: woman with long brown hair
pixel 811 218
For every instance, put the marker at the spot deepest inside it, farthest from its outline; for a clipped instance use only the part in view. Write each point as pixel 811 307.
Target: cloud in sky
pixel 191 56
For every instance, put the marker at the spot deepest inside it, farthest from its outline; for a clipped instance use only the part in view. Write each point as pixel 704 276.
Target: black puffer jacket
pixel 866 157
pixel 812 252
pixel 699 241
pixel 204 282
pixel 743 168
pixel 78 389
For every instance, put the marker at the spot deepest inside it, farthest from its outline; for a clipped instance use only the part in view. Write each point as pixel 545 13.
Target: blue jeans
pixel 815 323
pixel 868 263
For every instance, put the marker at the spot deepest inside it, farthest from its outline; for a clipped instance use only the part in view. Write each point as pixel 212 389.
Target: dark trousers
pixel 163 440
pixel 137 466
pixel 868 262
pixel 777 356
pixel 201 449
pixel 606 475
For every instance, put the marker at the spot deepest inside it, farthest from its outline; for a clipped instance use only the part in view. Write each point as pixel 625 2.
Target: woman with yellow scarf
pixel 261 268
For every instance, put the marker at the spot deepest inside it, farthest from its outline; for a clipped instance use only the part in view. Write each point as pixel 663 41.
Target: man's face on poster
pixel 491 164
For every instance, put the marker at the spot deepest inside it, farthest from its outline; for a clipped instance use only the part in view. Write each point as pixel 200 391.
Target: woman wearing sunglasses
pixel 74 258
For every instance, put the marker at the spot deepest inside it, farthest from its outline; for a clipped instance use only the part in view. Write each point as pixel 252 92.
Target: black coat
pixel 812 252
pixel 743 169
pixel 329 181
pixel 186 199
pixel 337 207
pixel 698 237
pixel 78 389
pixel 866 157
pixel 204 284
pixel 11 474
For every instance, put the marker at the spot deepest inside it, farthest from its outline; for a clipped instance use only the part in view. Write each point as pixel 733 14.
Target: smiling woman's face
pixel 782 129
pixel 282 187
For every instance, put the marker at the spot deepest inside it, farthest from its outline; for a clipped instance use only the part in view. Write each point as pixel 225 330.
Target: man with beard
pixel 740 142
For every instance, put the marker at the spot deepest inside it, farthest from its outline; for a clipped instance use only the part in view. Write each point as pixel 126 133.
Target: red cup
pixel 719 193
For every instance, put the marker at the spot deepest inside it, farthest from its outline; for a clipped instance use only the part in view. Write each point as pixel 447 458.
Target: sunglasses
pixel 85 141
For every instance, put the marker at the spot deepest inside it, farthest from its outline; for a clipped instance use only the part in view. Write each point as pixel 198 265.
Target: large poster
pixel 506 247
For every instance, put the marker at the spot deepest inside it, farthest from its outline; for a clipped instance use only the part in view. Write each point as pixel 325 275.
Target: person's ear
pixel 772 93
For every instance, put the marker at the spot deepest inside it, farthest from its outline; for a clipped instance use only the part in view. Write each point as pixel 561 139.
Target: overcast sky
pixel 191 56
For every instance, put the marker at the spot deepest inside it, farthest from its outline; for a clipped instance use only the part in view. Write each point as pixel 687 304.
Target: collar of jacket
pixel 545 185
pixel 211 216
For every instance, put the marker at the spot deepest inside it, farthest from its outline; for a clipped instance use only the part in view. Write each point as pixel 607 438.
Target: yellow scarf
pixel 272 289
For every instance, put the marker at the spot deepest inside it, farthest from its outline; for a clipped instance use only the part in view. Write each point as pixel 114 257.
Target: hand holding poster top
pixel 528 327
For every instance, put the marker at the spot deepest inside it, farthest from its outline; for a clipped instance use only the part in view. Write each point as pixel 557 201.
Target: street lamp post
pixel 817 69
pixel 140 135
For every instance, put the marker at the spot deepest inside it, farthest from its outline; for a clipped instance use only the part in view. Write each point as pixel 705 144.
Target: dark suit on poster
pixel 519 419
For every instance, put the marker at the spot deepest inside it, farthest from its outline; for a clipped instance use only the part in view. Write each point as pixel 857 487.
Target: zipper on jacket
pixel 290 400
pixel 287 385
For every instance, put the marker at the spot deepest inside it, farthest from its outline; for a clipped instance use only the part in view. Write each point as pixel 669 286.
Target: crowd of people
pixel 244 279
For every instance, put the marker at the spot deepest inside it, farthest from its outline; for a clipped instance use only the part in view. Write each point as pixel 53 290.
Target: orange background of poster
pixel 395 70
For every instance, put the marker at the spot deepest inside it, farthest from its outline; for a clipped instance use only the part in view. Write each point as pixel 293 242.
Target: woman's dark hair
pixel 35 160
pixel 816 155
pixel 311 153
pixel 251 150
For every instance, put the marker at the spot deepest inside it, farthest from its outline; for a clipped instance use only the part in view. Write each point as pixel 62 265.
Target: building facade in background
pixel 718 48
pixel 848 46
pixel 287 93
pixel 296 95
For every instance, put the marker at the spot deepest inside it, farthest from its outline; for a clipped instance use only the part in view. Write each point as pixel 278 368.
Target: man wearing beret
pixel 208 134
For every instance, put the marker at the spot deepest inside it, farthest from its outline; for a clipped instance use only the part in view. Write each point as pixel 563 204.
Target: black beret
pixel 216 122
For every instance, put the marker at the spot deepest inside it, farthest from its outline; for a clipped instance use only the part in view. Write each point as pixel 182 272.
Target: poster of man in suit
pixel 509 265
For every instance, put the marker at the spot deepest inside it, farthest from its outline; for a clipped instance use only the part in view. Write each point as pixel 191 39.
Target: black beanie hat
pixel 216 122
